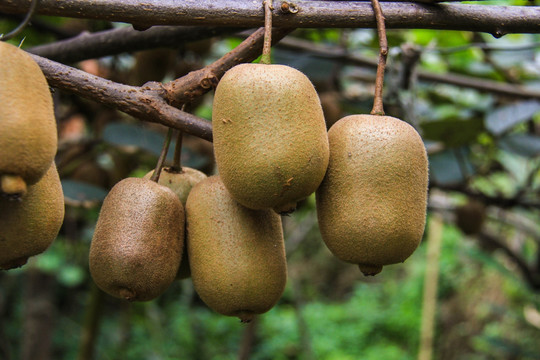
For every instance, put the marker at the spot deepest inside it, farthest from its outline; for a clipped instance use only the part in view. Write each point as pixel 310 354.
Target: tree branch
pixel 497 20
pixel 197 83
pixel 152 101
pixel 126 39
pixel 336 53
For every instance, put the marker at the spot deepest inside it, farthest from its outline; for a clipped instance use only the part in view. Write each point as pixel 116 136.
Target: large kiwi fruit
pixel 237 255
pixel 371 205
pixel 29 225
pixel 180 181
pixel 28 136
pixel 270 138
pixel 137 245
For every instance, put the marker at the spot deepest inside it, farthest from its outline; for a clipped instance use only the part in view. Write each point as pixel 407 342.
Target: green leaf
pixel 506 117
pixel 522 144
pixel 79 193
pixel 453 132
pixel 450 167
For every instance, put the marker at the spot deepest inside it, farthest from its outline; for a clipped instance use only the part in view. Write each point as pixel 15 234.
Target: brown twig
pixel 162 156
pixel 124 39
pixel 378 108
pixel 197 83
pixel 177 160
pixel 152 102
pixel 267 46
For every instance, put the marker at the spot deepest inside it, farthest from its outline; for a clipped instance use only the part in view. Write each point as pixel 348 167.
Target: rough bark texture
pixel 497 20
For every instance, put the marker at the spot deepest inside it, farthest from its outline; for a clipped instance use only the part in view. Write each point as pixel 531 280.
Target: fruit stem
pixel 162 156
pixel 177 162
pixel 378 108
pixel 267 45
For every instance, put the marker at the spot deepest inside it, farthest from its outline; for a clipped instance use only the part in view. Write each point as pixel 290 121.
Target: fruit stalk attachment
pixel 378 108
pixel 267 45
pixel 162 156
pixel 177 160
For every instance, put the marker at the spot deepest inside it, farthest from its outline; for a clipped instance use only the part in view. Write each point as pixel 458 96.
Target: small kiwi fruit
pixel 137 245
pixel 470 217
pixel 270 138
pixel 371 205
pixel 30 224
pixel 237 255
pixel 181 182
pixel 28 136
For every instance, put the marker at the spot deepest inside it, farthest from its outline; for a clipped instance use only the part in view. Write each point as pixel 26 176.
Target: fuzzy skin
pixel 237 254
pixel 137 244
pixel 28 137
pixel 371 205
pixel 28 226
pixel 181 183
pixel 270 138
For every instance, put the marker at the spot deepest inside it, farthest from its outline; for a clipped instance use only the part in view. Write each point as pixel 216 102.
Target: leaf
pixel 79 194
pixel 134 135
pixel 506 117
pixel 445 168
pixel 139 137
pixel 522 144
pixel 453 132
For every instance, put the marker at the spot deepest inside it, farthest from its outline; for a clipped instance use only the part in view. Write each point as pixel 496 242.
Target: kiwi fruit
pixel 137 244
pixel 371 205
pixel 28 136
pixel 237 255
pixel 270 139
pixel 470 217
pixel 181 182
pixel 30 224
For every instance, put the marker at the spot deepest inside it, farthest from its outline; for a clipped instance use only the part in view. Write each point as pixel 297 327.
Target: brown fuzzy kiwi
pixel 137 245
pixel 28 137
pixel 29 225
pixel 181 182
pixel 237 254
pixel 470 217
pixel 270 138
pixel 371 205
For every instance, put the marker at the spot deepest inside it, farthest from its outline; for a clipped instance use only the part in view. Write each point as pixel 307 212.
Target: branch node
pixel 288 7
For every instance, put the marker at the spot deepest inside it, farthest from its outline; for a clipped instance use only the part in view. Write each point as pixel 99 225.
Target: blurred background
pixel 470 291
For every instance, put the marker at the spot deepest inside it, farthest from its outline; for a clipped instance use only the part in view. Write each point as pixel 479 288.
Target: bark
pixel 126 39
pixel 497 20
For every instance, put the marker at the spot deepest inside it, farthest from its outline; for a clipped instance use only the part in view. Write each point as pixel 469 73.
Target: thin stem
pixel 378 108
pixel 23 24
pixel 162 156
pixel 177 162
pixel 267 45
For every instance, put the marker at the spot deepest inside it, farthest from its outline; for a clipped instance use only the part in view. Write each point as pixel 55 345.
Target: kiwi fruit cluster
pixel 31 197
pixel 272 150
